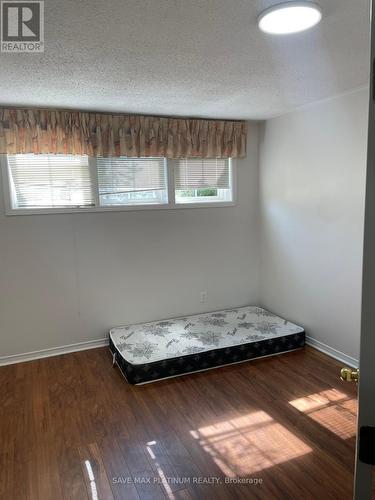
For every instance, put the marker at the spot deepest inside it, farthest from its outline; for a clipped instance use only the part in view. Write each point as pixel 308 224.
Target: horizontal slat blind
pixel 195 173
pixel 126 175
pixel 50 181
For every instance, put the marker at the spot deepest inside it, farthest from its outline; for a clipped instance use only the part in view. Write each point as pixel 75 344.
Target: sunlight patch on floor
pixel 249 444
pixel 90 473
pixel 163 478
pixel 332 409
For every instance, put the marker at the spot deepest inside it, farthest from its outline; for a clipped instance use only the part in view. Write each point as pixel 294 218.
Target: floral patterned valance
pixel 99 134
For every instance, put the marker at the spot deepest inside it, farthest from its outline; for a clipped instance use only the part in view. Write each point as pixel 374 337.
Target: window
pixel 131 181
pixel 70 183
pixel 203 180
pixel 57 181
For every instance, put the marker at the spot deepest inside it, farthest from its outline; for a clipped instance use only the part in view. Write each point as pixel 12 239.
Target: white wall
pixel 312 179
pixel 68 278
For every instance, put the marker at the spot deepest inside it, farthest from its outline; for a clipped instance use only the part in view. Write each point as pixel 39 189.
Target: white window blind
pixel 126 180
pixel 42 181
pixel 193 173
pixel 72 183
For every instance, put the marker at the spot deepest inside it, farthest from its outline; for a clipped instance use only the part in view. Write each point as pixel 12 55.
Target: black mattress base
pixel 215 358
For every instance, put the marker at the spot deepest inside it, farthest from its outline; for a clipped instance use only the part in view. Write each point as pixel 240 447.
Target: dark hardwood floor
pixel 276 428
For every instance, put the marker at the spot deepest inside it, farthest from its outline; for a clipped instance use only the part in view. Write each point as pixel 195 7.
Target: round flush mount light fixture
pixel 289 17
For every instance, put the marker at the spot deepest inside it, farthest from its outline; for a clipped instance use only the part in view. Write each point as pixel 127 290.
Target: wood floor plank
pixel 94 472
pixel 117 470
pixel 72 479
pixel 163 466
pixel 275 428
pixel 43 473
pixel 146 480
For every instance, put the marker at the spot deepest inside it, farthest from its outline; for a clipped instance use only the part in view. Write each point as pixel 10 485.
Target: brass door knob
pixel 349 374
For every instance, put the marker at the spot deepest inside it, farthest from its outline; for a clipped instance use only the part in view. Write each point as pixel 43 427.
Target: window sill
pixel 133 208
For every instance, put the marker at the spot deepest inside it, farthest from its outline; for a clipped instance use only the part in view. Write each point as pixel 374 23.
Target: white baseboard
pixel 92 344
pixel 334 353
pixel 54 351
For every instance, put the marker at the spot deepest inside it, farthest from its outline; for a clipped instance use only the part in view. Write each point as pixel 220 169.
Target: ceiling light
pixel 289 17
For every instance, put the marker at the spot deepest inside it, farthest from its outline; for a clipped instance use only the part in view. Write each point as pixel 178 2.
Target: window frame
pixel 169 205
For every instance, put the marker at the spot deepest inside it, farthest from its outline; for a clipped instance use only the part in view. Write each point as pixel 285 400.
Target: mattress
pixel 160 349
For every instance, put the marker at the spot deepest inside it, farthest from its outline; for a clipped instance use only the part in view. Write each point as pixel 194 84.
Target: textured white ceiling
pixel 186 57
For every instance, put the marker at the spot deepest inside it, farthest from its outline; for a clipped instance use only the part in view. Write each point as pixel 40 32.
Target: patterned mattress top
pixel 172 338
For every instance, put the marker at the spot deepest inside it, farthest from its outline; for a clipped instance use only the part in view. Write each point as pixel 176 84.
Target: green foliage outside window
pixel 191 193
